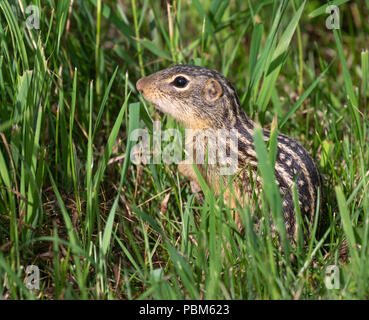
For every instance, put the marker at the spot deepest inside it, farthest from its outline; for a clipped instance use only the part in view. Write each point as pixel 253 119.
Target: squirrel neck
pixel 234 117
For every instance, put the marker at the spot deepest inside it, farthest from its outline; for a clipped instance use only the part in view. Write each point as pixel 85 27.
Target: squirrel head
pixel 198 97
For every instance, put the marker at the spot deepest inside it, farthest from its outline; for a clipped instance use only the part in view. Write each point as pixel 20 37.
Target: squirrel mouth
pixel 143 86
pixel 161 108
pixel 140 85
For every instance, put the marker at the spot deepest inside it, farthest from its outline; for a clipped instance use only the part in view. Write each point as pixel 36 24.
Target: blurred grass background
pixel 99 227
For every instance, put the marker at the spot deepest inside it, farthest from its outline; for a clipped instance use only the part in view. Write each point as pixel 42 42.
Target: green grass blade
pixel 278 56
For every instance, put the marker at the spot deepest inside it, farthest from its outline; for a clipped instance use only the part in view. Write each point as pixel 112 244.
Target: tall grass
pixel 100 227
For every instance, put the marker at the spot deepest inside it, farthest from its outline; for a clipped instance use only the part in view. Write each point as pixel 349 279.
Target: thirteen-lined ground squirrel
pixel 203 99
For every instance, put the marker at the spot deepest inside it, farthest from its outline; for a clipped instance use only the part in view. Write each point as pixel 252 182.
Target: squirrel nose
pixel 140 85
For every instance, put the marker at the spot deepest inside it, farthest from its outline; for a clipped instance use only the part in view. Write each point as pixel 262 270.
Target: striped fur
pixel 188 105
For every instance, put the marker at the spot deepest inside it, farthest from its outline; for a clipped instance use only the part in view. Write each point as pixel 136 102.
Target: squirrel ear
pixel 212 90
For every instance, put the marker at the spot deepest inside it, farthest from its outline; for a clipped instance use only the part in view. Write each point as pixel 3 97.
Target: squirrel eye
pixel 180 82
